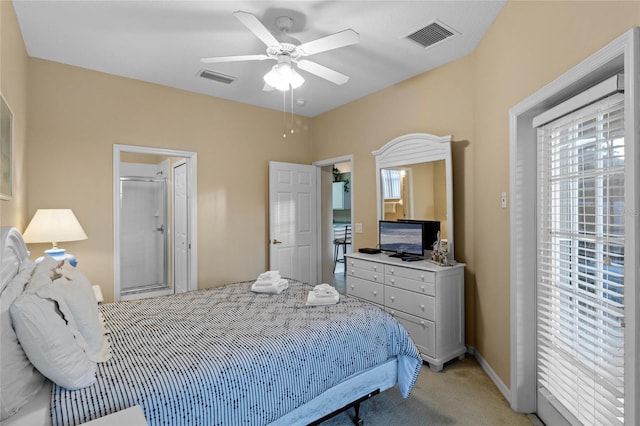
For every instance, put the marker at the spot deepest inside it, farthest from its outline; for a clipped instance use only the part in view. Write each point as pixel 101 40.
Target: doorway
pixel 154 222
pixel 622 53
pixel 336 194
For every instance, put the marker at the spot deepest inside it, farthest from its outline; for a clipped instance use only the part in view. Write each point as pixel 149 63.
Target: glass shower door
pixel 144 240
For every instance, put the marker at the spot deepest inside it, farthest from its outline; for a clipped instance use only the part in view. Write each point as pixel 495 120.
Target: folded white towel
pixel 324 290
pixel 266 282
pixel 313 300
pixel 269 275
pixel 323 294
pixel 276 287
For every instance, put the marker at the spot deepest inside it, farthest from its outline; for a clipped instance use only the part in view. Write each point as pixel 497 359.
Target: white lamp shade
pixel 52 226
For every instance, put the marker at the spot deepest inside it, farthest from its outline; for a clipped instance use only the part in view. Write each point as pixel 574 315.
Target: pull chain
pixel 292 123
pixel 284 115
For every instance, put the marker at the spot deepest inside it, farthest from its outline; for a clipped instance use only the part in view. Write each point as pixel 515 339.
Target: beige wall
pixel 529 44
pixel 13 85
pixel 439 102
pixel 75 117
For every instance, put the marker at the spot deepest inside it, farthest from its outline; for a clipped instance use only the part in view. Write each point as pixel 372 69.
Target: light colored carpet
pixel 461 394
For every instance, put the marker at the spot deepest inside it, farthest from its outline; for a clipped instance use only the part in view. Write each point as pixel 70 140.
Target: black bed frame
pixel 355 404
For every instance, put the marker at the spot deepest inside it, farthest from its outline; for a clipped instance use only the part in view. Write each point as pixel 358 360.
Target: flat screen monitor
pixel 430 231
pixel 401 237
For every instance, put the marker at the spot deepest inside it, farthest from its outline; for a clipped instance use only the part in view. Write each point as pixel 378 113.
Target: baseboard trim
pixel 492 374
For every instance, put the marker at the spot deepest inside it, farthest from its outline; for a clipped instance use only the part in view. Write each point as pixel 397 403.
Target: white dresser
pixel 427 299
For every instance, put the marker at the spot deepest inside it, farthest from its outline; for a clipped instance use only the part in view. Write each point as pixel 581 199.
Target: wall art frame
pixel 6 150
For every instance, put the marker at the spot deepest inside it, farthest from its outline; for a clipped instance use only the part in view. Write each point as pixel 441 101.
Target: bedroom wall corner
pixel 13 85
pixel 438 102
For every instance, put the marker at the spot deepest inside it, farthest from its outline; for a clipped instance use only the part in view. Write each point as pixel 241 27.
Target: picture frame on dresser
pixel 6 150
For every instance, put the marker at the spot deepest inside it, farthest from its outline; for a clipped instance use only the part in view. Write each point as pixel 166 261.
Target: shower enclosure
pixel 144 236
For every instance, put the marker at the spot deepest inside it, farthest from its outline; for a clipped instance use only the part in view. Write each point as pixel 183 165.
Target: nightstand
pixel 98 292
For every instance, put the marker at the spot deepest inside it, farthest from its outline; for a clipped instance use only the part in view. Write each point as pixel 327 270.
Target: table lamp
pixel 54 226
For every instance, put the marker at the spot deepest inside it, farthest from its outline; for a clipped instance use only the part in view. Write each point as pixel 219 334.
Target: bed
pixel 227 355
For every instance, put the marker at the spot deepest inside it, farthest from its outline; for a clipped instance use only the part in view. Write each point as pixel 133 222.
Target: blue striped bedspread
pixel 227 356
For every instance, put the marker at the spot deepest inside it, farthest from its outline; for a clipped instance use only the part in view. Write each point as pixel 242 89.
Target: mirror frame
pixel 417 148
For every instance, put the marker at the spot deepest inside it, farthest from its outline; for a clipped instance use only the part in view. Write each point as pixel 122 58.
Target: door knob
pixel 276 242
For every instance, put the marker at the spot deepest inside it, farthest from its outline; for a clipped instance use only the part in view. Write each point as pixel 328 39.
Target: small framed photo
pixel 6 148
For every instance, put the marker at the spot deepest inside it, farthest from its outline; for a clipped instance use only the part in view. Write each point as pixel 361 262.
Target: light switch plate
pixel 358 227
pixel 503 200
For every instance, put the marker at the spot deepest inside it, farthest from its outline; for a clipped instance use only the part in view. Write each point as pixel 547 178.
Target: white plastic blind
pixel 580 264
pixel 390 183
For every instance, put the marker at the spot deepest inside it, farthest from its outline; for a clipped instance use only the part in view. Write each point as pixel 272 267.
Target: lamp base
pixel 59 255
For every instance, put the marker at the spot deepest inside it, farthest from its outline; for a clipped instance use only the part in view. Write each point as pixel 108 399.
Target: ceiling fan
pixel 287 54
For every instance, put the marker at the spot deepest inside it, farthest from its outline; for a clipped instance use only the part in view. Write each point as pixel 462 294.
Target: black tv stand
pixel 398 255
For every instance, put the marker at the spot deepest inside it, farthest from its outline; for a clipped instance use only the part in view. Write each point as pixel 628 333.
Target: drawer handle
pixel 375 267
pixel 392 271
pixel 422 277
pixel 422 323
pixel 353 286
pixel 422 287
pixel 393 281
pixel 393 298
pixel 375 293
pixel 422 307
pixel 375 277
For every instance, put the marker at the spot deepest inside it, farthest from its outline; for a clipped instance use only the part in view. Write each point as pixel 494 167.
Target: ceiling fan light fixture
pixel 282 76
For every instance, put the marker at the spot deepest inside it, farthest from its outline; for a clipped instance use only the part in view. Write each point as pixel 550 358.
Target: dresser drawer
pixel 412 285
pixel 368 290
pixel 366 274
pixel 422 332
pixel 406 301
pixel 365 265
pixel 426 277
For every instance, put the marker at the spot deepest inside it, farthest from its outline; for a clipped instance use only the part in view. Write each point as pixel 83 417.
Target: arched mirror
pixel 413 182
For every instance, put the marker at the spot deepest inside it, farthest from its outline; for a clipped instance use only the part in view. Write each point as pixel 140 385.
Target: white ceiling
pixel 162 42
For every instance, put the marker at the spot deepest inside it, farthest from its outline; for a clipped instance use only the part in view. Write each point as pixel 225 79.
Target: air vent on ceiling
pixel 433 33
pixel 216 76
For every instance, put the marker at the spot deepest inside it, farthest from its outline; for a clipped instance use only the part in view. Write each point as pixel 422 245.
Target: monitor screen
pixel 401 237
pixel 430 231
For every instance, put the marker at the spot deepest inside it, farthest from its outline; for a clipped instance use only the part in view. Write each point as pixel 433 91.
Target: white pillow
pixel 50 343
pixel 45 269
pixel 76 299
pixel 18 374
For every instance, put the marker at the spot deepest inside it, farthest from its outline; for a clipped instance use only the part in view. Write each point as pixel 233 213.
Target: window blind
pixel 390 183
pixel 580 261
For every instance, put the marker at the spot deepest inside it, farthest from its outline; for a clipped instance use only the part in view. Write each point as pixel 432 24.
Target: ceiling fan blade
pixel 333 41
pixel 322 71
pixel 234 58
pixel 255 26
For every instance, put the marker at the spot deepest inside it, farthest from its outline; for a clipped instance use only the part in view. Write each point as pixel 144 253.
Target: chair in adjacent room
pixel 341 238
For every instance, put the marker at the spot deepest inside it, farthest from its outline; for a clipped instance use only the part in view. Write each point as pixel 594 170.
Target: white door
pixel 292 220
pixel 180 228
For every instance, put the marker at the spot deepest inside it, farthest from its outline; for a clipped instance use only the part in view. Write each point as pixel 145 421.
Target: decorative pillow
pixel 18 374
pixel 76 299
pixel 50 342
